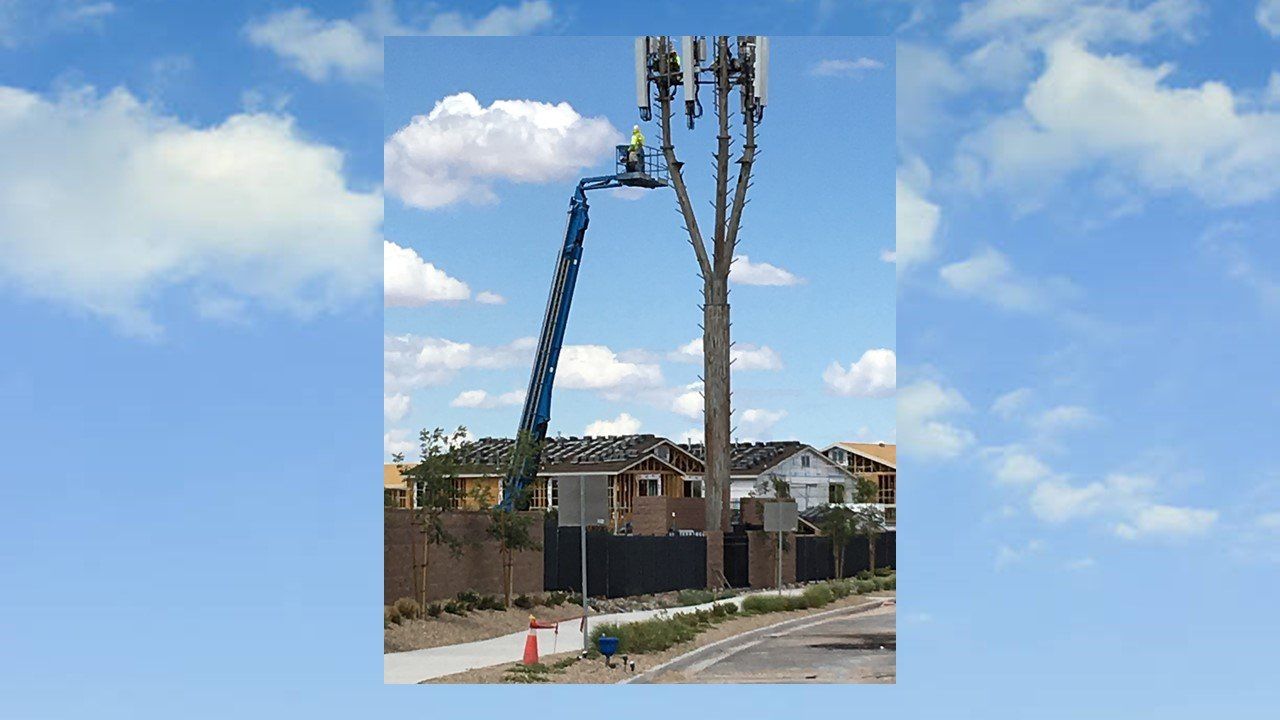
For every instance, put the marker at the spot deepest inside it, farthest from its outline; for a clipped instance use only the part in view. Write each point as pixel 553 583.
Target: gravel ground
pixel 484 624
pixel 478 625
pixel 595 671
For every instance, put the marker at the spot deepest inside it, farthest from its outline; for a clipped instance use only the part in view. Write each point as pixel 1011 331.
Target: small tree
pixel 772 485
pixel 869 521
pixel 865 490
pixel 434 490
pixel 837 523
pixel 512 530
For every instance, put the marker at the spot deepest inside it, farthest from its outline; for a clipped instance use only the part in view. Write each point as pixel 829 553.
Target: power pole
pixel 724 65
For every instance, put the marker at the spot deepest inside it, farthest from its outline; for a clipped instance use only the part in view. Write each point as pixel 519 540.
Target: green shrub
pixel 453 607
pixel 720 611
pixel 886 583
pixel 816 596
pixel 557 598
pixel 883 571
pixel 434 609
pixel 490 602
pixel 758 604
pixel 408 608
pixel 644 636
pixel 864 586
pixel 523 601
pixel 469 599
pixel 840 588
pixel 694 596
pixel 519 673
pixel 389 615
pixel 864 575
pixel 562 663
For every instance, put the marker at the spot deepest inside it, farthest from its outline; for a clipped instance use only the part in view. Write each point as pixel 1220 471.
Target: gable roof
pixel 886 453
pixel 568 455
pixel 756 458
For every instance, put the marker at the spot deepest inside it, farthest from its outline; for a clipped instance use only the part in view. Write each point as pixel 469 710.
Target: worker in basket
pixel 635 152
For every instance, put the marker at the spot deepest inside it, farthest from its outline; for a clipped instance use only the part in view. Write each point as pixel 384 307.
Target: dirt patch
pixel 478 625
pixel 484 624
pixel 595 671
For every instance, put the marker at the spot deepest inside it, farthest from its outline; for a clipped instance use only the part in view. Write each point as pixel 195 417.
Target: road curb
pixel 647 675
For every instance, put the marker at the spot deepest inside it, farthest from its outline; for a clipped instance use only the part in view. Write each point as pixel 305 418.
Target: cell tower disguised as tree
pixel 735 71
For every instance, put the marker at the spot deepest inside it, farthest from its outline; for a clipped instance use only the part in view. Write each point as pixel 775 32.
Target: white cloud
pixel 1268 16
pixel 23 22
pixel 1055 501
pixel 1238 262
pixel 757 423
pixel 917 218
pixel 409 281
pixel 845 68
pixel 396 407
pixel 922 428
pixel 482 399
pixel 1083 563
pixel 246 209
pixel 624 424
pixel 988 275
pixel 692 436
pixel 1167 522
pixel 351 49
pixel 1007 555
pixel 745 272
pixel 458 150
pixel 1097 21
pixel 1268 521
pixel 689 403
pixel 744 356
pixel 397 441
pixel 875 374
pixel 1115 116
pixel 1019 467
pixel 927 78
pixel 487 297
pixel 410 361
pixel 1128 501
pixel 1064 417
pixel 596 367
pixel 1008 404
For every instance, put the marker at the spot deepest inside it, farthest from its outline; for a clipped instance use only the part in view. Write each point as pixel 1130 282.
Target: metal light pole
pixel 582 539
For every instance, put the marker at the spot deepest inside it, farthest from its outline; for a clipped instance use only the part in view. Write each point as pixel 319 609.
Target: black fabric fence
pixel 736 570
pixel 815 561
pixel 623 565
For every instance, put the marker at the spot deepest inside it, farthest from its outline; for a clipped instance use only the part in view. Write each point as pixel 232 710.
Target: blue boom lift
pixel 645 169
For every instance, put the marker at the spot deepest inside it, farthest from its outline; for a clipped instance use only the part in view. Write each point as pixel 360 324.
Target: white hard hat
pixel 635 127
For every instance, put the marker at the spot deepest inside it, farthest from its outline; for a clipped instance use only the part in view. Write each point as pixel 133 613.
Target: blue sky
pixel 187 436
pixel 811 288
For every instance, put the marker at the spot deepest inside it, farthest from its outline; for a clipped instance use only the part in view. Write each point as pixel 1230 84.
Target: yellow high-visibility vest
pixel 637 139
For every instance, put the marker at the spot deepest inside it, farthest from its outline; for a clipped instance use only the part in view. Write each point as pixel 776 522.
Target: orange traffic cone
pixel 531 645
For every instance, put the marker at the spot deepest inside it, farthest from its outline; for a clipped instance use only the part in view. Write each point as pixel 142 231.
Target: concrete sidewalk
pixel 415 666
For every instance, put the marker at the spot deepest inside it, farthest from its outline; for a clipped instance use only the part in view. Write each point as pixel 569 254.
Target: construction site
pixel 636 515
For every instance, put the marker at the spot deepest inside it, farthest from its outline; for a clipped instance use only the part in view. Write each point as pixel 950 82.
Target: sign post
pixel 591 509
pixel 780 517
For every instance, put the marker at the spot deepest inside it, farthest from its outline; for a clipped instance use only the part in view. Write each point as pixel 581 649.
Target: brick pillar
pixel 715 560
pixel 762 553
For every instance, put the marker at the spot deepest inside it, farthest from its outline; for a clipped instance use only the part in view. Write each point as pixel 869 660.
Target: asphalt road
pixel 844 648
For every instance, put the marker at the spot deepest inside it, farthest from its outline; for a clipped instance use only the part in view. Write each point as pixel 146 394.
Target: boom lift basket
pixel 649 169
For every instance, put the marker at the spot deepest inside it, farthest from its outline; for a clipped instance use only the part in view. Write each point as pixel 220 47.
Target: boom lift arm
pixel 647 171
